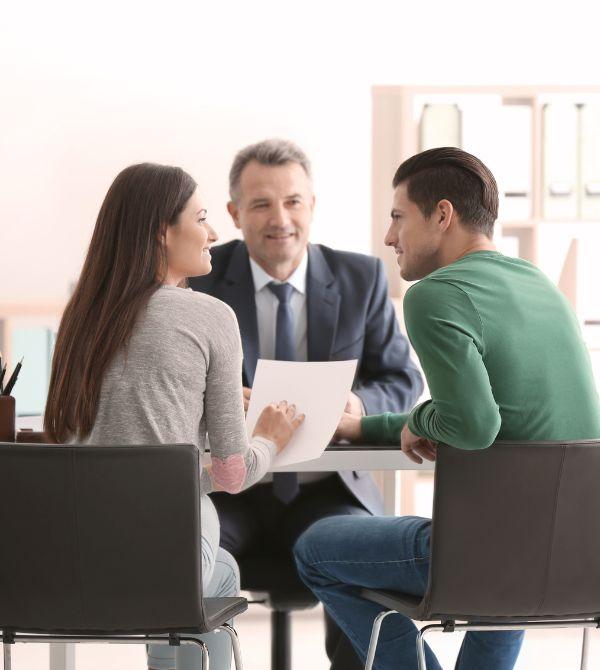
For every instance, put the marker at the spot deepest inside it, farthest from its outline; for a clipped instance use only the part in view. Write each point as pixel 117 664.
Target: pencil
pixel 13 378
pixel 2 373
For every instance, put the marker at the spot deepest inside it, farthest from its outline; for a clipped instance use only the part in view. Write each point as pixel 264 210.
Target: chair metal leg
pixel 7 658
pixel 203 649
pixel 585 648
pixel 235 643
pixel 281 640
pixel 421 660
pixel 375 636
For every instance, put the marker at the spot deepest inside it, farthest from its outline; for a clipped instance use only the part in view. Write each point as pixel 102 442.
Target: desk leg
pixel 62 656
pixel 407 498
pixel 391 492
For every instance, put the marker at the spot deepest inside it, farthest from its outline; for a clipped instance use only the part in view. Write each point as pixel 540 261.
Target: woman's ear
pixel 161 234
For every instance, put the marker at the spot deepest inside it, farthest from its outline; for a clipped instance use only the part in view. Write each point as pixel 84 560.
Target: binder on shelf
pixel 589 161
pixel 515 162
pixel 560 161
pixel 440 126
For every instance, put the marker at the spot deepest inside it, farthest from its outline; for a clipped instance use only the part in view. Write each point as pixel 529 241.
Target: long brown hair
pixel 120 273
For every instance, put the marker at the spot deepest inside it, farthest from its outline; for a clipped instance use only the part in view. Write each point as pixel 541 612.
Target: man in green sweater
pixel 504 359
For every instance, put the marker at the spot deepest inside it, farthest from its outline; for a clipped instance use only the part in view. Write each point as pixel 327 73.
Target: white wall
pixel 88 88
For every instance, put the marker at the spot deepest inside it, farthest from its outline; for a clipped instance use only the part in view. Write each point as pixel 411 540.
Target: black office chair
pixel 515 543
pixel 80 561
pixel 274 581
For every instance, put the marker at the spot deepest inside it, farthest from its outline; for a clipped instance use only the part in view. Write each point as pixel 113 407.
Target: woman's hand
pixel 348 428
pixel 278 422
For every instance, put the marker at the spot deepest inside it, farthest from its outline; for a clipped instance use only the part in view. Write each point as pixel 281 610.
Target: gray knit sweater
pixel 178 378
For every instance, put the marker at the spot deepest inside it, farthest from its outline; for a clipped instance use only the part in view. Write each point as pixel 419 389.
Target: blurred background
pixel 87 88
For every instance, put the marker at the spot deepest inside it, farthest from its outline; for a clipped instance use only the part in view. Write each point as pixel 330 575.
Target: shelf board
pixel 517 225
pixel 592 222
pixel 11 310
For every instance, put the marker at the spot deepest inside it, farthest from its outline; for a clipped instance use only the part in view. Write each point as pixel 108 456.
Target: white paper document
pixel 319 390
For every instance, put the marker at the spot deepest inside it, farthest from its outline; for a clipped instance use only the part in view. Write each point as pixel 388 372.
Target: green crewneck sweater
pixel 503 356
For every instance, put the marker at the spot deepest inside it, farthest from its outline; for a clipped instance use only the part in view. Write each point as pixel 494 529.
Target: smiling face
pixel 415 239
pixel 274 211
pixel 187 242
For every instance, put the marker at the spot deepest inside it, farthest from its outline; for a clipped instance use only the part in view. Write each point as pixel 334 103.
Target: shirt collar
pixel 297 279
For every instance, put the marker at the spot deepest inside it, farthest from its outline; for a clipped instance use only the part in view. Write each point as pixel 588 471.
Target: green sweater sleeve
pixel 382 428
pixel 446 332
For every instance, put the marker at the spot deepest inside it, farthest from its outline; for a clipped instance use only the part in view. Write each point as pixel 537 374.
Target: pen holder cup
pixel 7 418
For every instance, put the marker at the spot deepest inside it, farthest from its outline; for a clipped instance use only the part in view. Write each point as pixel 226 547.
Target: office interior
pixel 88 90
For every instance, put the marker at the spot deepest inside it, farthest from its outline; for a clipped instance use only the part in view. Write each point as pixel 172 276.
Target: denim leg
pixel 496 650
pixel 225 583
pixel 338 555
pixel 220 578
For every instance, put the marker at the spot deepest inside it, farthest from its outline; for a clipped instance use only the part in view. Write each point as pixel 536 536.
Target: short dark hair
pixel 451 174
pixel 273 152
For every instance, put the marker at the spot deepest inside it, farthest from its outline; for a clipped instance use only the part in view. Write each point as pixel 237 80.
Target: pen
pixel 13 379
pixel 2 373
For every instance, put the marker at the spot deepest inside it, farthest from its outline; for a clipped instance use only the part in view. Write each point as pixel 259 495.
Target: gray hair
pixel 268 152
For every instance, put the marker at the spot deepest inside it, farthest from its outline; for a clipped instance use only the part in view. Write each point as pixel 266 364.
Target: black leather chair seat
pixel 219 610
pixel 394 600
pixel 277 577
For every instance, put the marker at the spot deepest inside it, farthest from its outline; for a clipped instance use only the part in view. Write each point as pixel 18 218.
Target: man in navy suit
pixel 305 302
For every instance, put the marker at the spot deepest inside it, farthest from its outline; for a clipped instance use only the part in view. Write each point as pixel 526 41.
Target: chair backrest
pixel 100 538
pixel 516 532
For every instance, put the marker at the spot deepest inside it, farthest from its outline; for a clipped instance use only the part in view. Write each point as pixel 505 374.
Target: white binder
pixel 589 156
pixel 514 161
pixel 560 161
pixel 440 126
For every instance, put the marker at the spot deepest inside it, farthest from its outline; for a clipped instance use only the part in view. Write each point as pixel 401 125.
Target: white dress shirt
pixel 267 304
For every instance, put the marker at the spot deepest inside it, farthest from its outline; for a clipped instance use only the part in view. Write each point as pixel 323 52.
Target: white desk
pixel 357 457
pixel 334 459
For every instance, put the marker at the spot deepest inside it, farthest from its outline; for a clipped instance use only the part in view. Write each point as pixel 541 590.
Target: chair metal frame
pixel 9 639
pixel 452 626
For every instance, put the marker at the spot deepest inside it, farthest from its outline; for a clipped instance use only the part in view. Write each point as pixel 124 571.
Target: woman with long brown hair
pixel 141 360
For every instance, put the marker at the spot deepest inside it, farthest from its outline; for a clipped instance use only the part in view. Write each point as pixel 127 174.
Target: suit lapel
pixel 323 306
pixel 238 293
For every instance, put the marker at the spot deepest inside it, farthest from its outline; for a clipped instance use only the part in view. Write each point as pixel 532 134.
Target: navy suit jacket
pixel 349 316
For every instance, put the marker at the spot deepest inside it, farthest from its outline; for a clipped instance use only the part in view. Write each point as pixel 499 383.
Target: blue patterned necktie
pixel 285 484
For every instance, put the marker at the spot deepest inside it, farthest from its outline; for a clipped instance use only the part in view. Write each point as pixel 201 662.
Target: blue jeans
pixel 220 578
pixel 339 555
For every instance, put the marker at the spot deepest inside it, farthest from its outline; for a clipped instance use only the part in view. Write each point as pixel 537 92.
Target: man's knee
pixel 313 541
